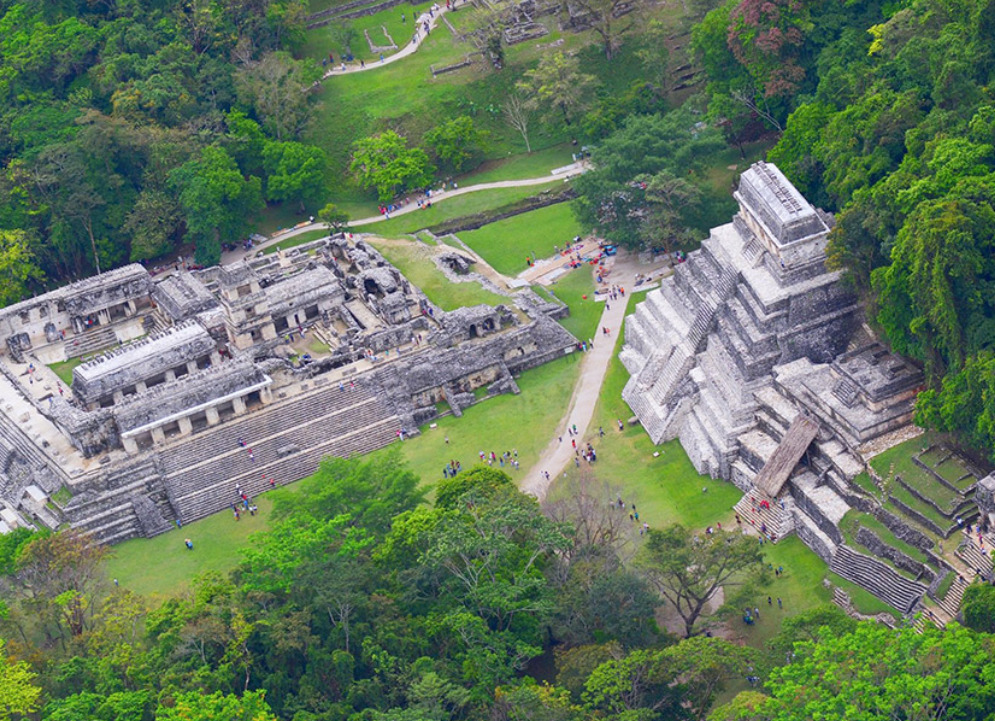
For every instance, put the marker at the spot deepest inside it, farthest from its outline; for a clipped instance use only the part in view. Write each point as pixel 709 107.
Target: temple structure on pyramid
pixel 755 356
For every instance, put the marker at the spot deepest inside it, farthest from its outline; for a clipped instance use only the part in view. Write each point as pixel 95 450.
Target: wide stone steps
pixel 91 341
pixel 951 602
pixel 220 494
pixel 231 460
pixel 776 519
pixel 279 417
pixel 878 578
pixel 974 557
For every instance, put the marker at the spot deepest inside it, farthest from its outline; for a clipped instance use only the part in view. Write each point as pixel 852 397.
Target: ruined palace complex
pixel 756 358
pixel 247 374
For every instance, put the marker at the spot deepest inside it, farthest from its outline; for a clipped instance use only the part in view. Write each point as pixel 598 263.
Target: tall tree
pixel 276 87
pixel 295 172
pixel 19 696
pixel 610 19
pixel 18 267
pixel 385 162
pixel 517 112
pixel 218 203
pixel 456 140
pixel 688 568
pixel 558 84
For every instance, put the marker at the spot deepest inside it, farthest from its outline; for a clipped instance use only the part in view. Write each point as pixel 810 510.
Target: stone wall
pixel 870 540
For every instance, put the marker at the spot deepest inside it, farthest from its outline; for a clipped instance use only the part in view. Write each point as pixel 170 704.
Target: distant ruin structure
pixel 323 350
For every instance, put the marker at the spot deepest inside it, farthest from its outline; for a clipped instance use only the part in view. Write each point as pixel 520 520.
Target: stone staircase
pixel 110 515
pixel 951 602
pixel 974 557
pixel 287 444
pixel 878 578
pixel 776 519
pixel 93 340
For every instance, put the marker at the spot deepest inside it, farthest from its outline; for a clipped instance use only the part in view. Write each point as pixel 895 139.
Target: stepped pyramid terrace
pixel 755 357
pixel 324 350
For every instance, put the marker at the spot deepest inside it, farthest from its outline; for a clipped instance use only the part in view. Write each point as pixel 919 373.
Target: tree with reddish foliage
pixel 767 36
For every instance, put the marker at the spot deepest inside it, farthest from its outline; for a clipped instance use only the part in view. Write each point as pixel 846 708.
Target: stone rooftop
pixel 142 359
pixel 779 204
pixel 182 296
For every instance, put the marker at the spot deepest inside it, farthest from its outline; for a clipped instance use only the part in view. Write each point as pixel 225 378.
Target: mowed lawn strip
pixel 163 565
pixel 505 244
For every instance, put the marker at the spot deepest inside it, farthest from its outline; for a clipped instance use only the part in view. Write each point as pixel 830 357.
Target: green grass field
pixel 524 422
pixel 162 566
pixel 64 369
pixel 506 243
pixel 454 207
pixel 584 312
pixel 416 265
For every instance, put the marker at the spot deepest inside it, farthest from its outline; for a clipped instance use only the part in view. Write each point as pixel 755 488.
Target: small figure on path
pixel 188 543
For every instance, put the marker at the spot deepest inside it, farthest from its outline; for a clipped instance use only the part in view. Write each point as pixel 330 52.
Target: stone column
pixel 170 375
pixel 191 366
pixel 104 316
pixel 215 358
pixel 269 331
pixel 239 405
pixel 186 425
pixel 140 387
pixel 266 395
pixel 213 418
pixel 118 397
pixel 158 436
pixel 130 445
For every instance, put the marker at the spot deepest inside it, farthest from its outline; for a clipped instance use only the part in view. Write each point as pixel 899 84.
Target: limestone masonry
pixel 324 350
pixel 755 357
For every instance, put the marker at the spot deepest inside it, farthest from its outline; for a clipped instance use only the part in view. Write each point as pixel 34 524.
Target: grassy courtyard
pixel 506 243
pixel 416 264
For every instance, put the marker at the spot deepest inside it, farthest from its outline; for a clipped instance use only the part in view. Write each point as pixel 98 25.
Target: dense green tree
pixel 612 197
pixel 978 607
pixel 217 201
pixel 154 224
pixel 880 673
pixel 333 218
pixel 688 568
pixel 385 162
pixel 295 172
pixel 195 706
pixel 456 140
pixel 557 84
pixel 18 267
pixel 18 693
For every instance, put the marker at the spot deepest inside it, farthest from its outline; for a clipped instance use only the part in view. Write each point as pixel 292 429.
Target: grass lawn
pixel 584 312
pixel 458 206
pixel 416 265
pixel 523 165
pixel 163 566
pixel 508 422
pixel 954 472
pixel 854 519
pixel 505 243
pixel 64 369
pixel 296 240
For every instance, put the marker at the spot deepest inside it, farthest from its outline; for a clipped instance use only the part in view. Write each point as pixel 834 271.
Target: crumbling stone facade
pixel 323 350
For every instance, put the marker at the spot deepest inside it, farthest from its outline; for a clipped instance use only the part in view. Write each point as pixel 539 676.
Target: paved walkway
pixel 559 454
pixel 594 365
pixel 564 173
pixel 409 48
